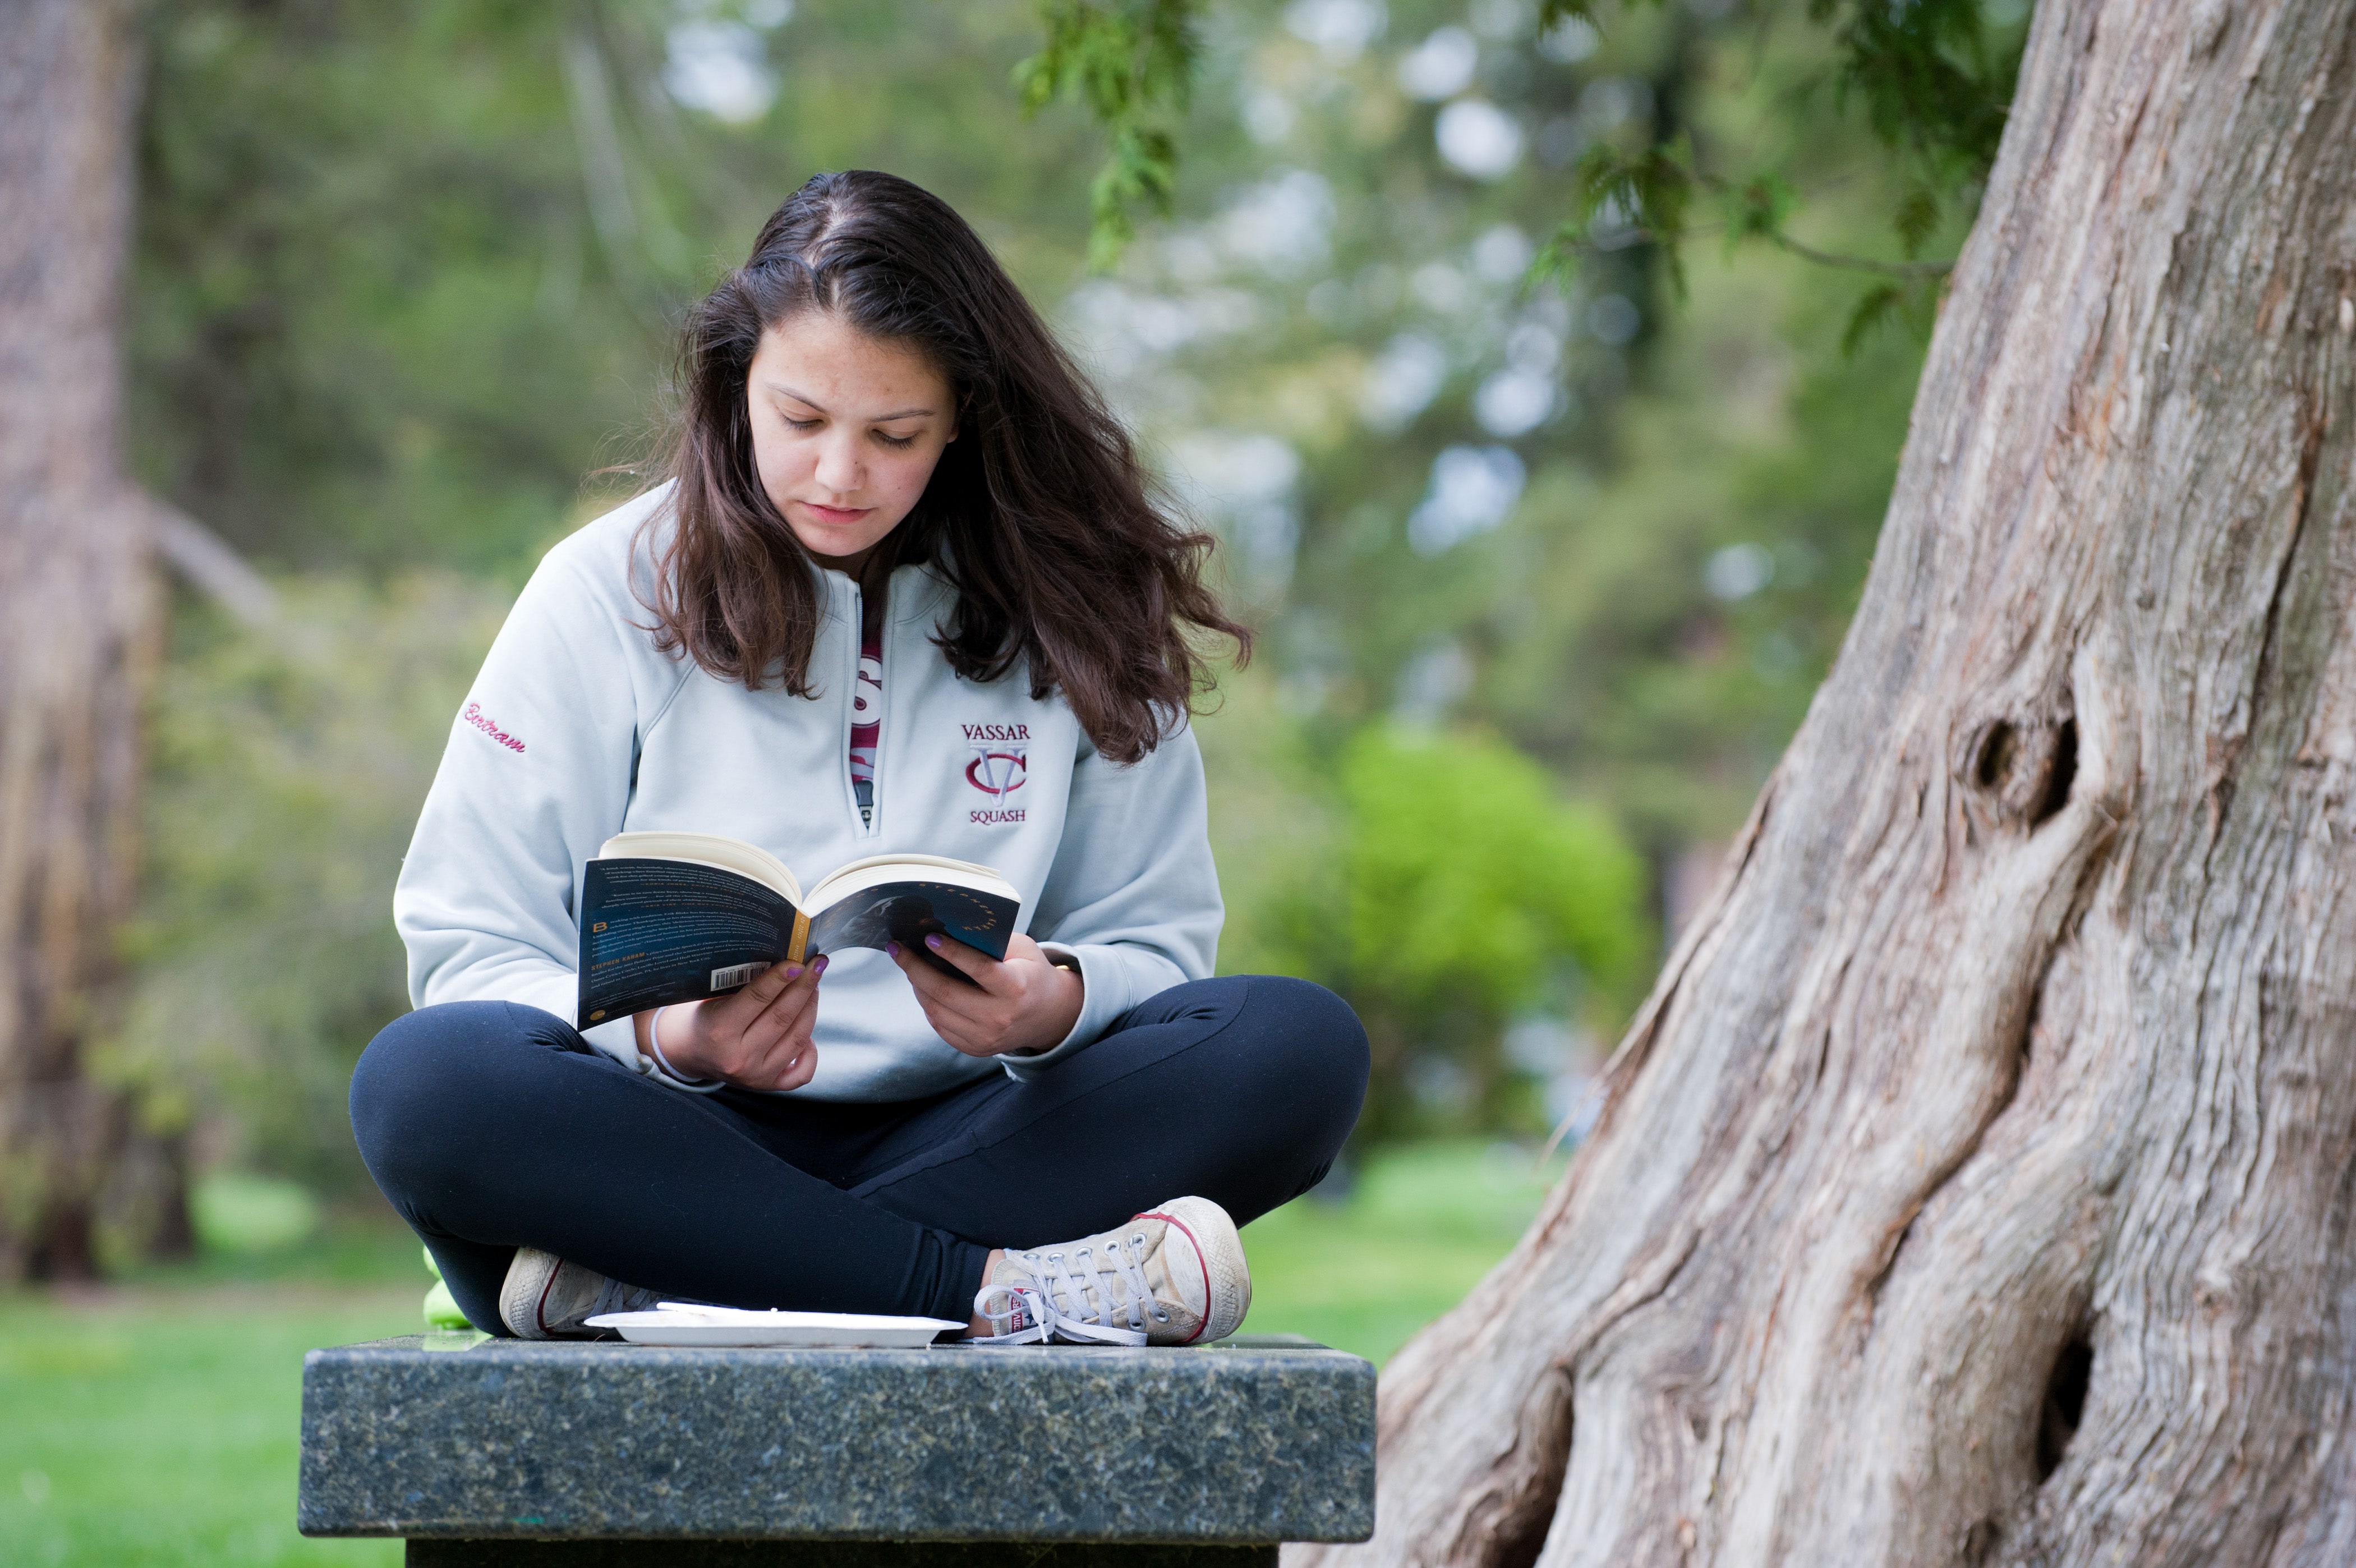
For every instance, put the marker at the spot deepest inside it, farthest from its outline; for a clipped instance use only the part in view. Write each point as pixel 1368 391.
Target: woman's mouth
pixel 837 514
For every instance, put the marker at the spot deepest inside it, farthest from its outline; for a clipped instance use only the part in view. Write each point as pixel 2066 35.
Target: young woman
pixel 904 590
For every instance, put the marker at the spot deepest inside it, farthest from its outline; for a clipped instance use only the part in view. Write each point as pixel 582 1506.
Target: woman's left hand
pixel 1021 1003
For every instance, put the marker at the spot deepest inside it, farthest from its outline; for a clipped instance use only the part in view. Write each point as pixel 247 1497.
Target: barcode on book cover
pixel 734 975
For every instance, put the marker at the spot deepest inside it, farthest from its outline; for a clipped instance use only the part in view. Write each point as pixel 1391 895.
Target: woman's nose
pixel 838 469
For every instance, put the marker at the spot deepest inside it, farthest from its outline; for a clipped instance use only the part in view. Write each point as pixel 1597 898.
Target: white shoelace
pixel 1073 1304
pixel 616 1296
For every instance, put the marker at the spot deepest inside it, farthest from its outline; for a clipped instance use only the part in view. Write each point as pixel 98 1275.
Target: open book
pixel 668 916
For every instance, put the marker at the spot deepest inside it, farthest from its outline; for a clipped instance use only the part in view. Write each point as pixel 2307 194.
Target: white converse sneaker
pixel 545 1297
pixel 1173 1275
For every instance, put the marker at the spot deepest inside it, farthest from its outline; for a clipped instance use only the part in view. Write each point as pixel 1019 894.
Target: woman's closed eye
pixel 896 443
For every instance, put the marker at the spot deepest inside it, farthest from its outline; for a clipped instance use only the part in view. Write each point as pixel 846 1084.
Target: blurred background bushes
pixel 287 763
pixel 1545 577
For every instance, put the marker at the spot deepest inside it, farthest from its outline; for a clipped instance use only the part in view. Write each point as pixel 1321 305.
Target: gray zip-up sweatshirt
pixel 578 728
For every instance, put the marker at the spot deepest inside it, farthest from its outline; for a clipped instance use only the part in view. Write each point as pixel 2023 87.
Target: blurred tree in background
pixel 77 610
pixel 1546 574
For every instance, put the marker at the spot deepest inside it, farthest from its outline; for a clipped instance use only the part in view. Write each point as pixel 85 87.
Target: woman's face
pixel 846 429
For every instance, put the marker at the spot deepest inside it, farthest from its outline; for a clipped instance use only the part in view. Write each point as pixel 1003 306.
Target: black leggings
pixel 491 1125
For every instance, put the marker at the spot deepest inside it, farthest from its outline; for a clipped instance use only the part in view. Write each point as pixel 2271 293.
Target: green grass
pixel 157 1423
pixel 1424 1224
pixel 160 1427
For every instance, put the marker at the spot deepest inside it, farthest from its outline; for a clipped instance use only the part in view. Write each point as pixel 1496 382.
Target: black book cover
pixel 908 912
pixel 654 932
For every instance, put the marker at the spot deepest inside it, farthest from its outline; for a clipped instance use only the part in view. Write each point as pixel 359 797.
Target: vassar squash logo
pixel 1001 764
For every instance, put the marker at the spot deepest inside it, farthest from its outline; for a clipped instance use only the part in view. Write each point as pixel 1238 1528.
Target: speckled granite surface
pixel 1253 1440
pixel 429 1551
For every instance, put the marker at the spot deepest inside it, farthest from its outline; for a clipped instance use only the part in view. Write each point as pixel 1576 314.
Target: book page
pixel 878 870
pixel 707 849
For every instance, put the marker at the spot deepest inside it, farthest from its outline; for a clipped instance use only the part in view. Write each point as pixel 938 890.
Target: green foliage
pixel 1623 656
pixel 405 274
pixel 1645 192
pixel 1874 306
pixel 1917 220
pixel 1132 62
pixel 1757 209
pixel 371 316
pixel 1933 80
pixel 1467 880
pixel 288 767
pixel 238 1213
pixel 1447 890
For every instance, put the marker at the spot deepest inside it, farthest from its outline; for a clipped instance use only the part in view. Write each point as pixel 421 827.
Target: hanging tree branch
pixel 1644 198
pixel 1908 270
pixel 1132 62
pixel 1934 92
pixel 1931 84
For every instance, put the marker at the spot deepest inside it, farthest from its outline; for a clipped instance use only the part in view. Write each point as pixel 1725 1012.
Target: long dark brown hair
pixel 1041 513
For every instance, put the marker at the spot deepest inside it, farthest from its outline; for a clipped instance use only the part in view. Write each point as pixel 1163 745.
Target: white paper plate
pixel 680 1323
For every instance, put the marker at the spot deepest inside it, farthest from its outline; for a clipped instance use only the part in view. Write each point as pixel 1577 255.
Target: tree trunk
pixel 1977 1186
pixel 75 607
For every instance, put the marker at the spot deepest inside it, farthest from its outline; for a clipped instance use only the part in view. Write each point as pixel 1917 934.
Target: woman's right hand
pixel 758 1038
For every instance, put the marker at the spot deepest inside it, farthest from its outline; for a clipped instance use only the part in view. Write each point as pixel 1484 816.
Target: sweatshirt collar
pixel 921 592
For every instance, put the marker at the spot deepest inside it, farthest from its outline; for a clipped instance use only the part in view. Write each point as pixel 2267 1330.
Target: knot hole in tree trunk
pixel 2026 769
pixel 2064 1404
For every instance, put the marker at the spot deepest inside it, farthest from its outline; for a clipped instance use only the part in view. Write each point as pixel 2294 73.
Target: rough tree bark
pixel 1979 1184
pixel 76 602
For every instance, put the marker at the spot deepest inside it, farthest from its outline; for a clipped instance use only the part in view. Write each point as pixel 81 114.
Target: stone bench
pixel 610 1456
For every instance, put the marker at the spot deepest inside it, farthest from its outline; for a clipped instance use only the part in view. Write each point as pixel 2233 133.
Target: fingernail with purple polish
pixel 820 967
pixel 793 972
pixel 934 943
pixel 890 949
